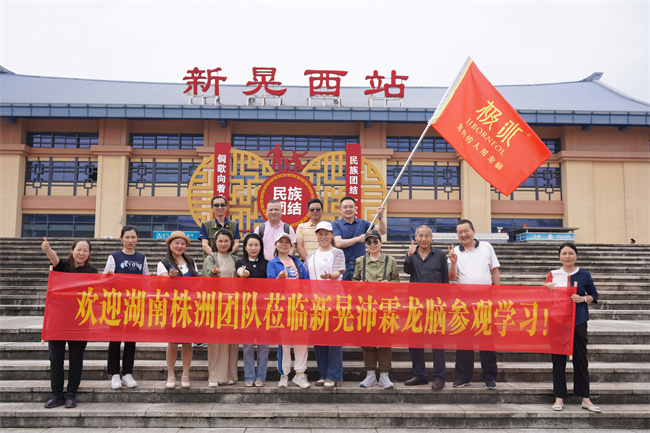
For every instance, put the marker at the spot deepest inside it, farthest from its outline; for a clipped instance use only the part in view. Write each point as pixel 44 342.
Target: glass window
pixel 553 144
pixel 406 144
pixel 147 176
pixel 289 142
pixel 509 225
pixel 403 229
pixel 441 178
pixel 62 140
pixel 166 141
pixel 78 175
pixel 148 224
pixel 58 225
pixel 544 184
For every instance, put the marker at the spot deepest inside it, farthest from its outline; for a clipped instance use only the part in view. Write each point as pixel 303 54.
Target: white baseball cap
pixel 324 225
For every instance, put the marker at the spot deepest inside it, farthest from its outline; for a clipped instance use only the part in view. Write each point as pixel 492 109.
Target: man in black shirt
pixel 426 265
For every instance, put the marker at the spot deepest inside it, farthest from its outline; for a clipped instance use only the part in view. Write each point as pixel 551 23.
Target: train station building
pixel 81 158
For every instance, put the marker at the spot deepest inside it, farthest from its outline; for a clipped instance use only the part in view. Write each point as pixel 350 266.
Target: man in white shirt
pixel 473 262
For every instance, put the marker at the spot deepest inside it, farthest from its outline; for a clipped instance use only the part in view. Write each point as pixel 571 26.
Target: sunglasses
pixel 219 205
pixel 372 242
pixel 316 209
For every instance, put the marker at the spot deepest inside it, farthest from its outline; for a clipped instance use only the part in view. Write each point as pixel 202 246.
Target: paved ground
pixel 289 430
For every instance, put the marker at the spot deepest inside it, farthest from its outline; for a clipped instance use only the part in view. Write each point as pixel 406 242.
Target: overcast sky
pixel 512 42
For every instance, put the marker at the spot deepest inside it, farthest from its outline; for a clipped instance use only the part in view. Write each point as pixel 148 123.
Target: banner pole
pixel 399 176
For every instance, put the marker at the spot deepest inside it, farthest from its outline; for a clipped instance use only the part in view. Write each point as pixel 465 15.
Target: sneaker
pixel 384 381
pixel 370 380
pixel 129 381
pixel 259 383
pixel 55 401
pixel 230 382
pixel 329 385
pixel 321 382
pixel 459 383
pixel 213 384
pixel 489 384
pixel 300 379
pixel 284 381
pixel 116 382
pixel 70 401
pixel 437 385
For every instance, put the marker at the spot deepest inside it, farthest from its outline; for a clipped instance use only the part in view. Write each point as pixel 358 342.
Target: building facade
pixel 84 157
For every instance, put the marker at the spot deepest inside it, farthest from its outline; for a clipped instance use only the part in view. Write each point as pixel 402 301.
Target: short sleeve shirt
pixel 270 233
pixel 475 266
pixel 307 232
pixel 348 231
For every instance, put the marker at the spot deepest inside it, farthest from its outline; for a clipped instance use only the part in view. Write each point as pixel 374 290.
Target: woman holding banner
pixel 253 265
pixel 376 266
pixel 570 275
pixel 327 263
pixel 78 261
pixel 126 261
pixel 177 264
pixel 222 358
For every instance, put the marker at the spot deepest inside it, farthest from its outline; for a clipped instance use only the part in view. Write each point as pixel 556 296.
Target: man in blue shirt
pixel 350 233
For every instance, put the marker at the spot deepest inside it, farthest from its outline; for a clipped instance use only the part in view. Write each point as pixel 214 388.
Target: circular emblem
pixel 293 191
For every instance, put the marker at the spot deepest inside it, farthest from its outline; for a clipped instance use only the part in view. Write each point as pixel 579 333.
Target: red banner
pixel 96 307
pixel 487 132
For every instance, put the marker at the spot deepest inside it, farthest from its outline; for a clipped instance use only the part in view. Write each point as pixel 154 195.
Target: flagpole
pixel 399 176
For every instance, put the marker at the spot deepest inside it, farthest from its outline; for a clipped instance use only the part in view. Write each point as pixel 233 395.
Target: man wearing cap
pixel 272 228
pixel 306 241
pixel 426 265
pixel 473 262
pixel 350 233
pixel 210 227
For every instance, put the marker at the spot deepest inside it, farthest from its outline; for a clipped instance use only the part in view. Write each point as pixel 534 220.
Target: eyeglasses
pixel 372 241
pixel 219 205
pixel 315 209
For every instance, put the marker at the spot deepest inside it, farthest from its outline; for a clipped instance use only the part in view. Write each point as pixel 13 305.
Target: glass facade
pixel 544 184
pixel 58 225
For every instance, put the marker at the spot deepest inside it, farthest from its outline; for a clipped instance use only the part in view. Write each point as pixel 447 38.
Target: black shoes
pixel 415 380
pixel 59 400
pixel 56 401
pixel 70 401
pixel 489 384
pixel 459 383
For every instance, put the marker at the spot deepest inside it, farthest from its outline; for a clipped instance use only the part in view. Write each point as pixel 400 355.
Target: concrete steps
pixel 619 355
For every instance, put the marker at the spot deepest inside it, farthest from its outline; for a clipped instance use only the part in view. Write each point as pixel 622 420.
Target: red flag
pixel 487 132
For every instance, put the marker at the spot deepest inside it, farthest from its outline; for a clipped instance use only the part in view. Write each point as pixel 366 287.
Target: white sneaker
pixel 129 381
pixel 301 380
pixel 384 381
pixel 284 381
pixel 370 380
pixel 116 382
pixel 213 384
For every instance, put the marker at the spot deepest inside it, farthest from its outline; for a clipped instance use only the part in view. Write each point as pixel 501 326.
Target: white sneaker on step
pixel 116 382
pixel 129 381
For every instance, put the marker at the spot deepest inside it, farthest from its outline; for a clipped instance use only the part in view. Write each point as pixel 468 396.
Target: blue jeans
pixel 249 362
pixel 329 360
pixel 349 271
pixel 420 370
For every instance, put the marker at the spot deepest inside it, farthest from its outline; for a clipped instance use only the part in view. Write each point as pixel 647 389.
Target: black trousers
pixel 465 364
pixel 580 366
pixel 76 358
pixel 114 357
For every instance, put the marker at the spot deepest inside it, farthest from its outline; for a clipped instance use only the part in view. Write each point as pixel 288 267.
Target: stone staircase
pixel 619 353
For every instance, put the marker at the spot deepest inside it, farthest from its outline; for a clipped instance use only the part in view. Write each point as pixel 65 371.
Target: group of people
pixel 346 249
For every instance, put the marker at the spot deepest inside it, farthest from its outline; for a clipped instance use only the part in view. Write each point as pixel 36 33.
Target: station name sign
pixel 326 83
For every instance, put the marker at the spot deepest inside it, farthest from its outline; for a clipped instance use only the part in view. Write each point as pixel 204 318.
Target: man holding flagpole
pixel 473 262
